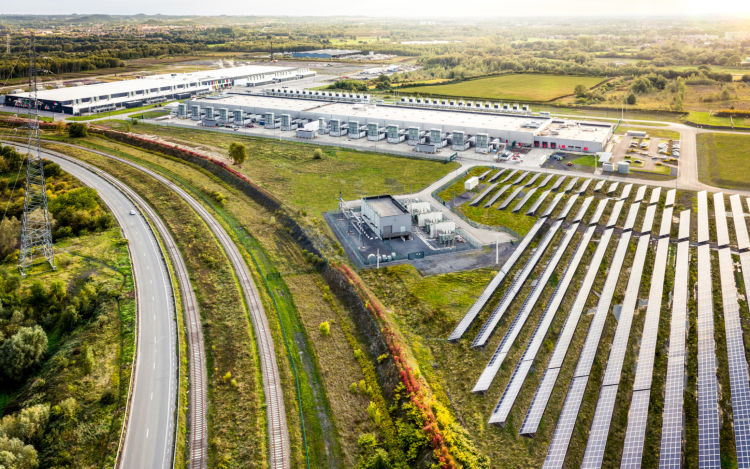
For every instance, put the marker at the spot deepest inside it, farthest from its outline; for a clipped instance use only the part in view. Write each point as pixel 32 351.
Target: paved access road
pixel 149 437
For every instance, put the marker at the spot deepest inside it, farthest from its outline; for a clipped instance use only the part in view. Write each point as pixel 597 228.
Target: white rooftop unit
pixel 415 208
pixel 471 183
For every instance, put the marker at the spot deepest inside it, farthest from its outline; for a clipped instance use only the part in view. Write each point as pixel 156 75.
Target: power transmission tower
pixel 36 234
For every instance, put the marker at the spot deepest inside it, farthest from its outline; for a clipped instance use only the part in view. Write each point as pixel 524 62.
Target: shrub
pixel 318 154
pixel 325 328
pixel 353 388
pixel 77 130
pixel 227 376
pixel 237 153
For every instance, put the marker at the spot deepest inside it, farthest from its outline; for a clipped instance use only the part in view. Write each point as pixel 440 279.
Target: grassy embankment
pixel 723 161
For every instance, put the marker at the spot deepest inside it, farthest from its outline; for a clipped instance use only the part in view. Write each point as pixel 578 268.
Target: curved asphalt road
pixel 279 449
pixel 149 437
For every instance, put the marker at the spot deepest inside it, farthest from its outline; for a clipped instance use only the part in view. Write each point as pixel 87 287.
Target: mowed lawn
pixel 724 160
pixel 520 86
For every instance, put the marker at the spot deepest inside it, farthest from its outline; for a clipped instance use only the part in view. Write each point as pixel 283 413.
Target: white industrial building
pixel 460 128
pixel 114 95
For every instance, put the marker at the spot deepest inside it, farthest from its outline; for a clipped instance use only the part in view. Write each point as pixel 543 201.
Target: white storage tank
pixel 428 218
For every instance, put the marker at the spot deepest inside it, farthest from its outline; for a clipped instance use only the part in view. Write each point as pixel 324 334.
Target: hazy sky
pixel 389 8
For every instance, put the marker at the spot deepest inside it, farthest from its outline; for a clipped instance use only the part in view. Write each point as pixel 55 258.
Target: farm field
pixel 722 160
pixel 529 87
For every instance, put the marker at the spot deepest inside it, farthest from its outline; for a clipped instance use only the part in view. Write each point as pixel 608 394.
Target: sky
pixel 386 8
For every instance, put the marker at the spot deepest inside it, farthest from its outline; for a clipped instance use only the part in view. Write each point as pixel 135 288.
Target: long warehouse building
pixel 109 96
pixel 537 131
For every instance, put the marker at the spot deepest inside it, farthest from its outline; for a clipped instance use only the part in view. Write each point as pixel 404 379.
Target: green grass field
pixel 659 133
pixel 530 87
pixel 588 160
pixel 706 118
pixel 288 170
pixel 723 161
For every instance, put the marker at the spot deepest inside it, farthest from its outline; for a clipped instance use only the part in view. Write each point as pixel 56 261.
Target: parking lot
pixel 649 154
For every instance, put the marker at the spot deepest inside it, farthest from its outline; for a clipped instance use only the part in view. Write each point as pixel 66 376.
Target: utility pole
pixel 36 233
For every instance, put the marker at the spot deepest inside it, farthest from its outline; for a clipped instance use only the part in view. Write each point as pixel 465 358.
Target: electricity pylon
pixel 36 233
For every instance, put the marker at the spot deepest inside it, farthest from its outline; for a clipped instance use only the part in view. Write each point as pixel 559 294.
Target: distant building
pixel 386 216
pixel 325 53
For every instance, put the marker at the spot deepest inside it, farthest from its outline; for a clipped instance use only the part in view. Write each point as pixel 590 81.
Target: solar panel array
pixel 524 199
pixel 670 197
pixel 612 187
pixel 599 185
pixel 507 177
pixel 486 294
pixel 557 183
pixel 541 397
pixel 656 193
pixel 597 440
pixel 571 183
pixel 555 200
pixel 484 174
pixel 483 194
pixel 538 202
pixel 739 381
pixel 584 186
pixel 510 198
pixel 670 454
pixel 497 195
pixel 505 404
pixel 632 452
pixel 521 177
pixel 564 429
pixel 626 191
pixel 708 392
pixel 497 175
pixel 510 293
pixel 533 179
pixel 489 372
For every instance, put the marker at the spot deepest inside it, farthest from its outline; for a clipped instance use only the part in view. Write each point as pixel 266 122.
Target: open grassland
pixel 288 170
pixel 236 421
pixel 707 118
pixel 723 160
pixel 522 87
pixel 326 365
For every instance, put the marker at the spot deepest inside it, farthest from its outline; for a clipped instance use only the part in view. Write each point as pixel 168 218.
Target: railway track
pixel 278 433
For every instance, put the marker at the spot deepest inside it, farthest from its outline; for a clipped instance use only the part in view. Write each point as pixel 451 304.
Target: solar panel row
pixel 533 179
pixel 555 200
pixel 565 423
pixel 489 326
pixel 545 181
pixel 570 185
pixel 632 452
pixel 524 199
pixel 489 372
pixel 612 187
pixel 521 177
pixel 542 395
pixel 497 175
pixel 497 195
pixel 483 194
pixel 484 174
pixel 507 177
pixel 720 212
pixel 599 185
pixel 708 392
pixel 505 404
pixel 739 380
pixel 738 216
pixel 557 183
pixel 640 194
pixel 510 198
pixel 594 453
pixel 538 202
pixel 584 186
pixel 626 191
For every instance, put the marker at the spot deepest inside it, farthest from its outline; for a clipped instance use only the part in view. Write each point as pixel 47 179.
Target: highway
pixel 278 434
pixel 149 434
